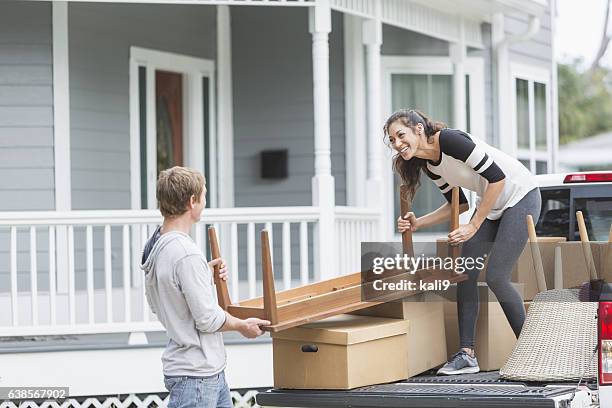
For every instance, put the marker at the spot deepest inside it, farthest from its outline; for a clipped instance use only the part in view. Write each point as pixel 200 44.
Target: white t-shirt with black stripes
pixel 468 162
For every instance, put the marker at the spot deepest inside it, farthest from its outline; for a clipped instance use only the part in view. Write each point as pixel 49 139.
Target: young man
pixel 180 291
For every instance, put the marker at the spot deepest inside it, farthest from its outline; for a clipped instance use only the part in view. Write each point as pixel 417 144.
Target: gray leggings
pixel 503 240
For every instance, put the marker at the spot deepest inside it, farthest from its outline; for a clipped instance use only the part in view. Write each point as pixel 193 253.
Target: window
pixel 532 121
pixel 597 213
pixel 426 83
pixel 559 206
pixel 555 214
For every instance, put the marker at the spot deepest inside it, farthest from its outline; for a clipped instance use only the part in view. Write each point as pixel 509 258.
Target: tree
pixel 585 102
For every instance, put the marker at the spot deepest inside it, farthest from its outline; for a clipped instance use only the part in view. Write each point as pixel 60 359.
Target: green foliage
pixel 585 102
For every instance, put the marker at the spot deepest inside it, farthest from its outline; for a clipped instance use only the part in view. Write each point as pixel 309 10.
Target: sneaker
pixel 460 363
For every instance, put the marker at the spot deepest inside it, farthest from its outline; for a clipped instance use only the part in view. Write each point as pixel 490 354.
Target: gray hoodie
pixel 180 291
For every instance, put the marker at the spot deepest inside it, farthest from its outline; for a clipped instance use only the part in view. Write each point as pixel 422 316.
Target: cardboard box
pixel 426 339
pixel 494 337
pixel 524 271
pixel 604 267
pixel 341 352
pixel 574 266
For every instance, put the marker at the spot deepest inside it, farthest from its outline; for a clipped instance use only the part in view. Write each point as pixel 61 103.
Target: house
pixel 586 154
pixel 97 96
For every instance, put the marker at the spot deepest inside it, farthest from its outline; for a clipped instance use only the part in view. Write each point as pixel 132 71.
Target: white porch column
pixel 372 38
pixel 61 136
pixel 501 60
pixel 554 93
pixel 323 193
pixel 458 55
pixel 225 129
pixel 355 124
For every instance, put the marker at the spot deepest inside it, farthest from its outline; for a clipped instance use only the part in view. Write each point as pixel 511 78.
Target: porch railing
pixel 353 226
pixel 78 272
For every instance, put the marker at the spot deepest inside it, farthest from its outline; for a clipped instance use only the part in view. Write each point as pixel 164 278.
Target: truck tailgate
pixel 419 395
pixel 476 390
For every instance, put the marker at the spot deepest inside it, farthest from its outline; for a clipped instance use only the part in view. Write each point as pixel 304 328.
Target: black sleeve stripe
pixel 459 145
pixel 482 162
pixel 431 175
pixel 456 143
pixel 449 196
pixel 443 186
pixel 493 174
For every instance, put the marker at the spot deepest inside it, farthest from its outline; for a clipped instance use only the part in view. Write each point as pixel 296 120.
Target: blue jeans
pixel 200 392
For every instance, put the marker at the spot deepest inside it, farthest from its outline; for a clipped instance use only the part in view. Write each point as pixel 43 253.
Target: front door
pixel 171 120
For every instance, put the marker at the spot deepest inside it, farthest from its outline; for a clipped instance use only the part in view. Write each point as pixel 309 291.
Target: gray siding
pixel 273 109
pixel 100 39
pixel 26 107
pixel 397 41
pixel 273 103
pixel 538 50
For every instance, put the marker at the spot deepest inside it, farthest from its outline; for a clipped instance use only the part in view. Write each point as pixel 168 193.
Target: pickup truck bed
pixel 470 390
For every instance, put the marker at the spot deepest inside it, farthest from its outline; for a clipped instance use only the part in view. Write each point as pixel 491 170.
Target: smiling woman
pixel 405 140
pixel 506 193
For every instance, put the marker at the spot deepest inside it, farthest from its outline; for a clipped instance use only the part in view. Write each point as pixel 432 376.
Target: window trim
pixel 193 70
pixel 474 68
pixel 532 74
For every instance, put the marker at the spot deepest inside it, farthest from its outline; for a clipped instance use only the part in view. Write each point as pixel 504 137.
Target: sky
pixel 579 28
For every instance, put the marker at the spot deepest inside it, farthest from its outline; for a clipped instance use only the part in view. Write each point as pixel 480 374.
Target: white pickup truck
pixel 562 196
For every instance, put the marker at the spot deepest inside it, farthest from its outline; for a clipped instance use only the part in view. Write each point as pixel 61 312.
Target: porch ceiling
pixel 483 10
pixel 300 3
pixel 422 16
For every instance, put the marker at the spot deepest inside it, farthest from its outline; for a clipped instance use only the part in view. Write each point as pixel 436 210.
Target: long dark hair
pixel 410 170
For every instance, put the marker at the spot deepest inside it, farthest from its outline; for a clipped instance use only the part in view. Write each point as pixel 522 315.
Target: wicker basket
pixel 557 341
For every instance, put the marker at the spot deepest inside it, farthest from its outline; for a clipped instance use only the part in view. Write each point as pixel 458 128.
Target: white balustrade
pixel 353 226
pixel 116 301
pixel 104 292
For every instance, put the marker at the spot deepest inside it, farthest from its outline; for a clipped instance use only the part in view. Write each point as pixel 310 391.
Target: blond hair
pixel 175 186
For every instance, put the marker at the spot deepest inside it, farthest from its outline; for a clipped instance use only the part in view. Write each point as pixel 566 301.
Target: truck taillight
pixel 588 178
pixel 605 343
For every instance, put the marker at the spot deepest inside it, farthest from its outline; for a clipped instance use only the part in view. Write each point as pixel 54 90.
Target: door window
pixel 169 109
